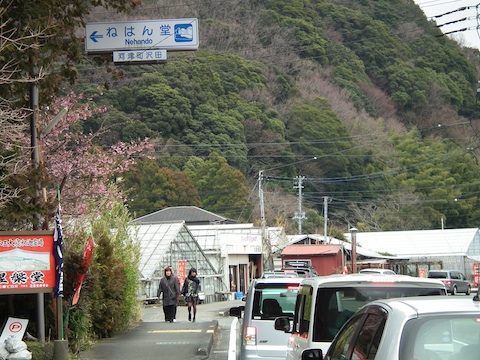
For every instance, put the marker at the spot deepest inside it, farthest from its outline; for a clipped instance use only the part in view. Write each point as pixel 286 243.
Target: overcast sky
pixel 469 37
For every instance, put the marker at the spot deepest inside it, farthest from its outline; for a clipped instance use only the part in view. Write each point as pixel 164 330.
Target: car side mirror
pixel 236 311
pixel 282 323
pixel 312 354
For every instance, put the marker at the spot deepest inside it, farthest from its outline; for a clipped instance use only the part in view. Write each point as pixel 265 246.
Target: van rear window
pixel 274 300
pixel 334 306
pixel 437 274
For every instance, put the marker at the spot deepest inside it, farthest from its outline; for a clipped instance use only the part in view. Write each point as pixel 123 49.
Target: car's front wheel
pixel 469 290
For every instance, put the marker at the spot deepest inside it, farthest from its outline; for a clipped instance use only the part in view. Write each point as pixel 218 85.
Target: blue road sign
pixel 94 36
pixel 173 35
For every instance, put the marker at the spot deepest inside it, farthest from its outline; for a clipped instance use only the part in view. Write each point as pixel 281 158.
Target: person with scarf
pixel 171 290
pixel 190 289
pixel 178 283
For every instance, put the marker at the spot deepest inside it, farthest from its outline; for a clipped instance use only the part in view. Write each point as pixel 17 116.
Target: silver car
pixel 424 328
pixel 266 300
pixel 454 281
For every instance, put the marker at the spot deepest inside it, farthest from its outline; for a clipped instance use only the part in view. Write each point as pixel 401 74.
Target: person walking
pixel 170 289
pixel 190 289
pixel 178 282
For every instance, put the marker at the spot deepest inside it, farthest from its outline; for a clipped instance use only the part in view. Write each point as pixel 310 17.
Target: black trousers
pixel 170 312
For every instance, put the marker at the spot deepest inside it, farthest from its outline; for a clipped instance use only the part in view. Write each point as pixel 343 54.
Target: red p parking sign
pixel 14 328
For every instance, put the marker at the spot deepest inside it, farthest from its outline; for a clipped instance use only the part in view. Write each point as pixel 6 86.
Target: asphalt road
pixel 153 338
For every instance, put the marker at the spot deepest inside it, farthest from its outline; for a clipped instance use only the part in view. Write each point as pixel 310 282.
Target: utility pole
pixel 37 218
pixel 299 215
pixel 353 255
pixel 260 196
pixel 266 245
pixel 325 217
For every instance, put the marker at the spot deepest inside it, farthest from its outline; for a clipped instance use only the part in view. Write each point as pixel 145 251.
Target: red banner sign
pixel 27 264
pixel 182 271
pixel 475 274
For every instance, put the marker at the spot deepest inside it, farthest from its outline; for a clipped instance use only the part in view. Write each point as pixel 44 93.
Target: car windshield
pixel 441 337
pixel 334 306
pixel 274 300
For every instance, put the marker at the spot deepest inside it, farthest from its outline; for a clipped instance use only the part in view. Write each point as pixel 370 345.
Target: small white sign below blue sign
pixel 173 35
pixel 140 56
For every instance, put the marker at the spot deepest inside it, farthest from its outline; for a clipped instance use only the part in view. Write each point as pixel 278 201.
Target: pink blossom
pixel 74 163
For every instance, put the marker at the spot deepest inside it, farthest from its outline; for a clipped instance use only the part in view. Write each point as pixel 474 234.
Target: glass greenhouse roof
pixel 164 244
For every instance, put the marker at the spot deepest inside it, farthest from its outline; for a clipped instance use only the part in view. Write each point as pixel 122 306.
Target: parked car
pixel 266 300
pixel 280 274
pixel 424 328
pixel 377 271
pixel 325 303
pixel 454 281
pixel 303 272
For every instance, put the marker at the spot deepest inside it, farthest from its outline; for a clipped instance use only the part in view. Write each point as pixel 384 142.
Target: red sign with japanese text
pixel 476 273
pixel 182 271
pixel 27 264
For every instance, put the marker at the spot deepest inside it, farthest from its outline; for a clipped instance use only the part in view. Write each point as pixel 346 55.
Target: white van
pixel 266 300
pixel 325 303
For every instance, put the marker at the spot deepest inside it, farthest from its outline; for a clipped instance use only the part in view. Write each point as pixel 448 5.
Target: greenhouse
pixel 172 244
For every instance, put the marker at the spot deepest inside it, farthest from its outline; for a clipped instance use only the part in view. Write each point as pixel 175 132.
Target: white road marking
pixel 232 345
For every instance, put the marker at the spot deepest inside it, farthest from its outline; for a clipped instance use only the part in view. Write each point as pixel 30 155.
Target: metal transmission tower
pixel 299 215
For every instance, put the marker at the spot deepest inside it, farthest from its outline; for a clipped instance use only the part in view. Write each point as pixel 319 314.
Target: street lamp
pixel 353 238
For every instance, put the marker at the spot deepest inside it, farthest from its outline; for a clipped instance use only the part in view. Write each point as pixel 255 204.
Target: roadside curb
pixel 203 351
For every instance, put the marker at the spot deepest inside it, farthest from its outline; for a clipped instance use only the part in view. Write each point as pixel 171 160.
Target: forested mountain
pixel 365 101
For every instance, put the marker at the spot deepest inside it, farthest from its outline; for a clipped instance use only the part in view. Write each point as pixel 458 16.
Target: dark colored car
pixel 454 280
pixel 303 272
pixel 279 274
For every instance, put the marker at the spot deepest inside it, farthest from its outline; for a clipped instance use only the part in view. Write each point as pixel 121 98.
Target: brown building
pixel 325 259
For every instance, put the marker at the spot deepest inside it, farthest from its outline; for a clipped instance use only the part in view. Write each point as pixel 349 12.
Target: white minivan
pixel 325 303
pixel 266 300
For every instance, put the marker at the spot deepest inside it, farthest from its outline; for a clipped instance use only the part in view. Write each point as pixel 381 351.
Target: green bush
pixel 40 351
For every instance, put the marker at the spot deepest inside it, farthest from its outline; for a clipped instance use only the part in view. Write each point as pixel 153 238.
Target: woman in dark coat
pixel 171 290
pixel 190 289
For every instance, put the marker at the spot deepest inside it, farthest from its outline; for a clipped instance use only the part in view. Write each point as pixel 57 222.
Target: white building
pixel 457 249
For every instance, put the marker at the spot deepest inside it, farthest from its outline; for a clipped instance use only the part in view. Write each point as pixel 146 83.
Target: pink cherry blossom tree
pixel 83 171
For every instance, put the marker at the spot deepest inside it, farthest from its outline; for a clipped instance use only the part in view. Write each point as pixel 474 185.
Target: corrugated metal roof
pixel 311 249
pixel 207 235
pixel 420 243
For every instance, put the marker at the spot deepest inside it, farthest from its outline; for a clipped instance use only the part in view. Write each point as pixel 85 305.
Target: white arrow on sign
pixel 173 35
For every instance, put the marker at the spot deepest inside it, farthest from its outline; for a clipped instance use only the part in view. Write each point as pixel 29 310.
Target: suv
pixel 409 328
pixel 266 300
pixel 280 274
pixel 377 271
pixel 302 272
pixel 454 280
pixel 325 303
